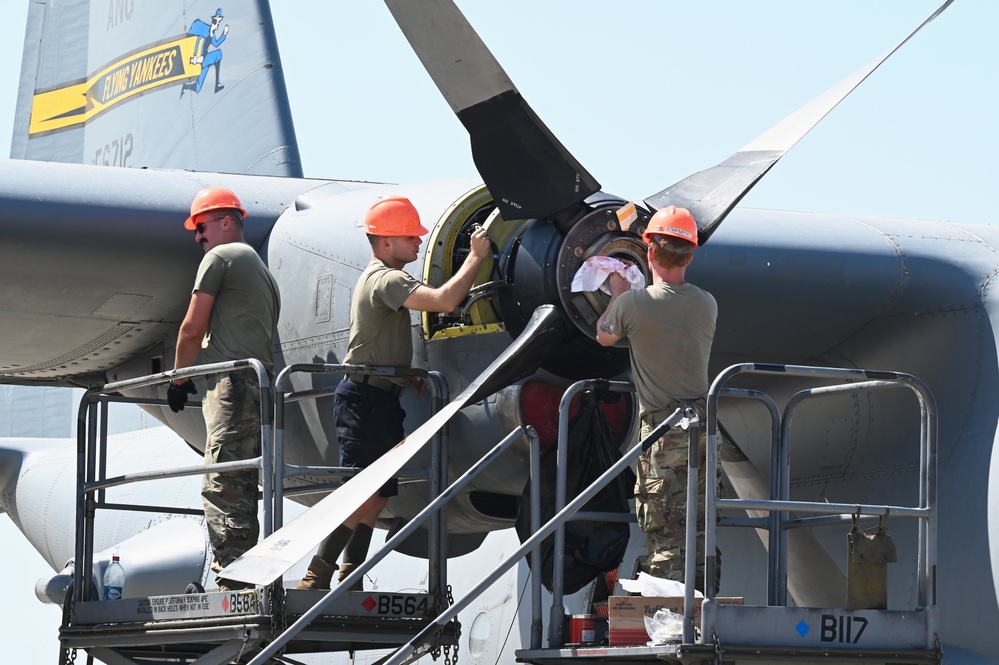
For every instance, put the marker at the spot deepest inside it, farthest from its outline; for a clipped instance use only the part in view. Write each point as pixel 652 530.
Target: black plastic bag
pixel 591 548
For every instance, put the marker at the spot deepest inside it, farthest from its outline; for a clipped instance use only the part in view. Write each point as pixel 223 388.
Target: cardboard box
pixel 626 615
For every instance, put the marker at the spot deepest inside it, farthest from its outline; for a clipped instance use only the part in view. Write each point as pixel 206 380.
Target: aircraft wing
pixel 80 291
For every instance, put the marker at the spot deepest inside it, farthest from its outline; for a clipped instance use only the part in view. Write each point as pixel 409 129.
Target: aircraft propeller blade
pixel 529 173
pixel 275 555
pixel 711 194
pixel 524 355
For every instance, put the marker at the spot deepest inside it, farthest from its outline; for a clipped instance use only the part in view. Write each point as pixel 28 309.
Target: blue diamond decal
pixel 802 628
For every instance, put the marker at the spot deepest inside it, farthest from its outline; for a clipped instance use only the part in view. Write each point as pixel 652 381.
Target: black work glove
pixel 177 395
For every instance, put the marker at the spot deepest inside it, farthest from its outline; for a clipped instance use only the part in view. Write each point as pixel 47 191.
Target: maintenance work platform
pixel 268 623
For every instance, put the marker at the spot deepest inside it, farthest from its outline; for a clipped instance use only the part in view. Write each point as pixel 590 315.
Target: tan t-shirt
pixel 380 331
pixel 246 308
pixel 669 328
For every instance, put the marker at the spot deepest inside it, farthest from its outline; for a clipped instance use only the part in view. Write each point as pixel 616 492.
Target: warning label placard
pixel 178 607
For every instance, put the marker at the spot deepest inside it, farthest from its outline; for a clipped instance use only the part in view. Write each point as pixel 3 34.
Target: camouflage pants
pixel 232 417
pixel 661 502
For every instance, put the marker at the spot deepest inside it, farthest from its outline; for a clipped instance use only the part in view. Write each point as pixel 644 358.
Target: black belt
pixel 378 382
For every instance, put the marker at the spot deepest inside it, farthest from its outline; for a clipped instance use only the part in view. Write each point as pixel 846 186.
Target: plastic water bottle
pixel 114 580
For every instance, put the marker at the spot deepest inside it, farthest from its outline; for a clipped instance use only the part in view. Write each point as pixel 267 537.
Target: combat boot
pixel 319 575
pixel 345 570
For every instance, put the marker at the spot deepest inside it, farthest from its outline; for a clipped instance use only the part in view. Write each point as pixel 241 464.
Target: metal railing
pixel 539 534
pixel 283 395
pixel 556 622
pixel 434 511
pixel 446 615
pixel 92 478
pixel 93 481
pixel 436 474
pixel 779 506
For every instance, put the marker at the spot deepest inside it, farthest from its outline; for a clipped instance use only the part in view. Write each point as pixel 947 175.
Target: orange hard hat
pixel 212 198
pixel 672 221
pixel 393 216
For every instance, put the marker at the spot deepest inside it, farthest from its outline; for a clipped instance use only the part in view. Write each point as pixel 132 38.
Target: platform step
pixel 164 628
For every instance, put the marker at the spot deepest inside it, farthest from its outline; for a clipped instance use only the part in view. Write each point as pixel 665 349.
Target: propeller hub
pixel 538 265
pixel 595 234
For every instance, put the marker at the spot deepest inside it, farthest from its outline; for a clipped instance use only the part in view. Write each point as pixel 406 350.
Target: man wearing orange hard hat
pixel 368 415
pixel 232 315
pixel 670 326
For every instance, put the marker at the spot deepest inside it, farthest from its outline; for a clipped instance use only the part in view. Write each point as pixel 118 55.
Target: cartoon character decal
pixel 208 38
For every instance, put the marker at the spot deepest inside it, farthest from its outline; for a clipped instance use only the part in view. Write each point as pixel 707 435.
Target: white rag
pixel 595 270
pixel 649 585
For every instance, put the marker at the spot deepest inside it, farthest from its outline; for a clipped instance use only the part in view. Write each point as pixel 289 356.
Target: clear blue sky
pixel 643 93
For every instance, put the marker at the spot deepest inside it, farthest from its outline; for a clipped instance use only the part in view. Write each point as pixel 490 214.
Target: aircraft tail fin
pixel 177 84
